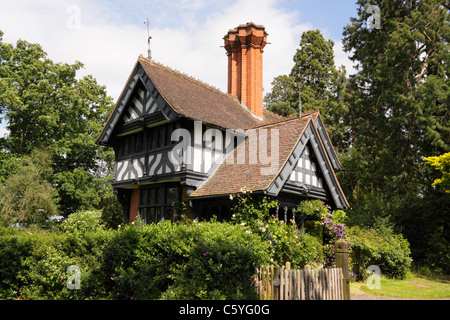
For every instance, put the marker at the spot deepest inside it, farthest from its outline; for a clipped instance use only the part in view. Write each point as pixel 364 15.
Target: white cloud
pixel 109 49
pixel 197 51
pixel 341 58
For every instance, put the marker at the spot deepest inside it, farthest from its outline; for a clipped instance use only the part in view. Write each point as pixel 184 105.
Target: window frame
pixel 151 208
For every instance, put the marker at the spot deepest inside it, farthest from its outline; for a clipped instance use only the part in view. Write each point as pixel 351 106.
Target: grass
pixel 413 287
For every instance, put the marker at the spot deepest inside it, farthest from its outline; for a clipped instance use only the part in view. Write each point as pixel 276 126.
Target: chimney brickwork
pixel 244 46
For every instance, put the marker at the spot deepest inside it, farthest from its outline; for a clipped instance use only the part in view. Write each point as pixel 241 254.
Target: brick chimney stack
pixel 244 46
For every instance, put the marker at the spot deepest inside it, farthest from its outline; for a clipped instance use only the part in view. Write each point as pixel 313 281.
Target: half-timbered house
pixel 176 138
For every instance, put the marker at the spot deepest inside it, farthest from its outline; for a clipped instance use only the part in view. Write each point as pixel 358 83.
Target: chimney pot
pixel 244 45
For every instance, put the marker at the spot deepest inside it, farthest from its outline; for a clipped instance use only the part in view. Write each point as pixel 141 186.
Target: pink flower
pixel 61 277
pixel 112 278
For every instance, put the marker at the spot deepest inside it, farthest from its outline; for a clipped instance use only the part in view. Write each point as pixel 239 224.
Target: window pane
pixel 172 195
pixel 160 196
pixel 157 215
pixel 131 144
pixel 151 196
pixel 155 136
pixel 124 148
pixel 168 215
pixel 162 135
pixel 143 198
pixel 147 215
pixel 138 145
pixel 169 133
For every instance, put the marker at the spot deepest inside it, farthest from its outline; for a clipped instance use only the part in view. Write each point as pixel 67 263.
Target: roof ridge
pixel 284 120
pixel 185 75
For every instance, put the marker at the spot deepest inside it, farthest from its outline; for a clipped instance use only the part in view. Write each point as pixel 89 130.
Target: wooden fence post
pixel 342 262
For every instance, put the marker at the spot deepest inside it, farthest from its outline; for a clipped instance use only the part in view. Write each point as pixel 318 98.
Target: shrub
pixel 33 264
pixel 381 247
pixel 176 261
pixel 83 221
pixel 333 230
pixel 286 242
pixel 220 265
pixel 13 251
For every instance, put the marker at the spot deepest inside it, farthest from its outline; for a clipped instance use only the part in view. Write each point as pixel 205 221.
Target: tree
pixel 48 107
pixel 399 114
pixel 441 163
pixel 401 110
pixel 281 100
pixel 322 86
pixel 314 69
pixel 26 196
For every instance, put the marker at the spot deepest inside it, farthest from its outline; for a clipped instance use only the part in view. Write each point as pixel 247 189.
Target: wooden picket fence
pixel 282 283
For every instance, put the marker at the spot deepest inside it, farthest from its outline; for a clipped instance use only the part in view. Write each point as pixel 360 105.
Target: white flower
pixel 231 197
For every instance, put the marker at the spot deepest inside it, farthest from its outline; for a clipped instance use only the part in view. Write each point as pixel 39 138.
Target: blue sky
pixel 331 15
pixel 108 36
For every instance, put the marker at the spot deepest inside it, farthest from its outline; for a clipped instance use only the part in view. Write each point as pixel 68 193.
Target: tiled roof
pixel 199 101
pixel 231 177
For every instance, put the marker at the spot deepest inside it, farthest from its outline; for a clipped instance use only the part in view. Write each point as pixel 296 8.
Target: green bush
pixel 33 264
pixel 221 264
pixel 13 251
pixel 159 261
pixel 286 242
pixel 83 221
pixel 176 261
pixel 381 247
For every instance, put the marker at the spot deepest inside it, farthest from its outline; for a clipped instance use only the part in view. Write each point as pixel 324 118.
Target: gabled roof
pixel 185 97
pixel 178 95
pixel 231 177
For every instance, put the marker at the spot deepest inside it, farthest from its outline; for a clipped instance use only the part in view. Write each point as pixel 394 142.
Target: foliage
pixel 159 261
pixel 323 86
pixel 399 115
pixel 437 257
pixel 441 163
pixel 178 261
pixel 281 99
pixel 287 243
pixel 47 106
pixel 312 208
pixel 34 264
pixel 381 247
pixel 333 231
pixel 221 264
pixel 83 221
pixel 27 197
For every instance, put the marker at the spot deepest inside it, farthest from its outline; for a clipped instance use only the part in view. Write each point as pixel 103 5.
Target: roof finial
pixel 149 52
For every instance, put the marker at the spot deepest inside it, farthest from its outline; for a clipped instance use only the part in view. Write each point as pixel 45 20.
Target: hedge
pixel 159 261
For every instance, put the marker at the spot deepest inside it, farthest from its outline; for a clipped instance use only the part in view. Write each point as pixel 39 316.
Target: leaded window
pixel 156 202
